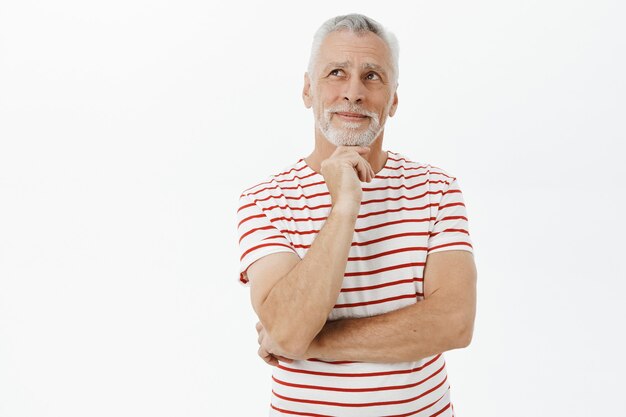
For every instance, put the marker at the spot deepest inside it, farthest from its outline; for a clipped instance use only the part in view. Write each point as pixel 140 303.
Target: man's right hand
pixel 343 172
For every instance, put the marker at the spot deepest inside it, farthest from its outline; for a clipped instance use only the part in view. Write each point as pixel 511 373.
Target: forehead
pixel 355 49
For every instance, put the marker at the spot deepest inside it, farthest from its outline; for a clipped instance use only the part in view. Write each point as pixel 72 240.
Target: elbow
pixel 465 339
pixel 292 341
pixel 461 329
pixel 290 344
pixel 464 334
pixel 293 348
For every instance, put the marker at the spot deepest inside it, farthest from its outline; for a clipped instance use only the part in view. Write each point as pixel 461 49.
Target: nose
pixel 355 91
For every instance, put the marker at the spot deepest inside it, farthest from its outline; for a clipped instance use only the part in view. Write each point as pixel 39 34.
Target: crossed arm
pixel 293 297
pixel 444 320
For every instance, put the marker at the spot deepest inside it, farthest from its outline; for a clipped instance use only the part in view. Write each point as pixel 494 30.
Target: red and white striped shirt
pixel 408 211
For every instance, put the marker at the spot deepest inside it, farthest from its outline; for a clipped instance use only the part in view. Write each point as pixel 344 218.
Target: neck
pixel 377 158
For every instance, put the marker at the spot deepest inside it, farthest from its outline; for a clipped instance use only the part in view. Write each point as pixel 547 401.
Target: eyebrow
pixel 346 64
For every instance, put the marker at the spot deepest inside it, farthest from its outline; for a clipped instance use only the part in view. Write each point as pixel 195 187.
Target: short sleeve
pixel 451 228
pixel 258 237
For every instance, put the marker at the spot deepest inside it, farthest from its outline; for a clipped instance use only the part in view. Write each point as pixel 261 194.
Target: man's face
pixel 351 88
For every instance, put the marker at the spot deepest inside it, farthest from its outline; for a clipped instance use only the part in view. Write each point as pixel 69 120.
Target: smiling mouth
pixel 351 116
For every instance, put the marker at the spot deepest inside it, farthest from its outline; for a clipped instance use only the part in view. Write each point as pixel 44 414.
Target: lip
pixel 351 116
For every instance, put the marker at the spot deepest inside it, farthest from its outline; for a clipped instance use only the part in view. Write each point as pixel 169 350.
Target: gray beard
pixel 349 134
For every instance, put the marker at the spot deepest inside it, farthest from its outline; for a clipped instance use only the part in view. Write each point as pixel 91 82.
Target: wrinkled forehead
pixel 364 50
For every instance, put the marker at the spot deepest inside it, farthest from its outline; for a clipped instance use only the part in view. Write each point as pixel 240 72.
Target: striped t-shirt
pixel 407 211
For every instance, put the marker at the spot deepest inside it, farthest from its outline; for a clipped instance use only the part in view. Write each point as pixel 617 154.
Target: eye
pixel 335 72
pixel 372 76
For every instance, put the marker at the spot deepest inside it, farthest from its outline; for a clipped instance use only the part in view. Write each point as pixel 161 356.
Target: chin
pixel 343 140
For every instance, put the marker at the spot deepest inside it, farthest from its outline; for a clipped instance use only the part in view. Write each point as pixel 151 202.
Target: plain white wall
pixel 129 128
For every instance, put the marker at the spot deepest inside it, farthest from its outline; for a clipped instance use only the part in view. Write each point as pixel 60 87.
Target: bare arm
pixel 443 321
pixel 294 298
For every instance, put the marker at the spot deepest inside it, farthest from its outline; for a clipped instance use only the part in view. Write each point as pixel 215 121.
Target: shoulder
pixel 273 184
pixel 426 171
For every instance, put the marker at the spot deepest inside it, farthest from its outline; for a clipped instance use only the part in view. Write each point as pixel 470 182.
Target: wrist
pixel 346 208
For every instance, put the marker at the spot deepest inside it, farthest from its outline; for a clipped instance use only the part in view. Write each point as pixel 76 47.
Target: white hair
pixel 359 24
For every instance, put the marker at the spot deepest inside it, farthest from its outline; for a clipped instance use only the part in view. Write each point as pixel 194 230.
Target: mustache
pixel 350 108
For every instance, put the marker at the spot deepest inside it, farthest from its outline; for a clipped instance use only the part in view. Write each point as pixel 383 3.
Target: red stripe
pixel 441 411
pixel 361 216
pixel 450 230
pixel 406 177
pixel 296 177
pixel 386 284
pixel 374 213
pixel 405 160
pixel 387 268
pixel 411 413
pixel 293 219
pixel 428 171
pixel 284 180
pixel 450 244
pixel 277 175
pixel 298 413
pixel 256 230
pixel 261 246
pixel 256 216
pixel 245 206
pixel 451 190
pixel 364 202
pixel 294 169
pixel 371 389
pixel 383 300
pixel 402 197
pixel 362 229
pixel 330 362
pixel 391 187
pixel 364 374
pixel 451 218
pixel 295 187
pixel 451 205
pixel 273 237
pixel 405 168
pixel 298 208
pixel 390 252
pixel 292 198
pixel 381 239
pixel 372 404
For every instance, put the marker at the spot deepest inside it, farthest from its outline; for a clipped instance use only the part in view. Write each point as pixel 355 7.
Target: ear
pixel 306 91
pixel 394 105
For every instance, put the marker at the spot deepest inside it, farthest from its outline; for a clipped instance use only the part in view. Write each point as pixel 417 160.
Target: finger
pixel 370 172
pixel 283 359
pixel 267 357
pixel 259 326
pixel 367 170
pixel 361 170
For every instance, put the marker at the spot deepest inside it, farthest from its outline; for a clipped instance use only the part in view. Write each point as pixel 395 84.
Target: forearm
pixel 408 334
pixel 298 305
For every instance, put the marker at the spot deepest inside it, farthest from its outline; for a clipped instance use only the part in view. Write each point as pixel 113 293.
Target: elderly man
pixel 359 260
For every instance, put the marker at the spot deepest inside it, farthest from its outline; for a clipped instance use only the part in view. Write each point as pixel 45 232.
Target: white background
pixel 129 128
